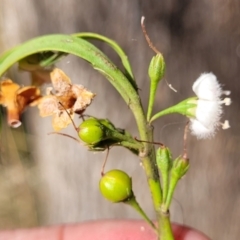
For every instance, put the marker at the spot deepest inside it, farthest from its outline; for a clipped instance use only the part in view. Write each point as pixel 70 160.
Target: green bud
pixel 164 163
pixel 91 131
pixel 156 68
pixel 156 71
pixel 116 186
pixel 180 167
pixel 164 159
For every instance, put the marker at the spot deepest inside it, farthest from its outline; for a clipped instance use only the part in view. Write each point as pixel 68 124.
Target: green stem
pixel 171 188
pixel 130 146
pixel 127 139
pixel 149 164
pixel 164 225
pixel 133 203
pixel 170 110
pixel 152 94
pixel 182 108
pixel 165 183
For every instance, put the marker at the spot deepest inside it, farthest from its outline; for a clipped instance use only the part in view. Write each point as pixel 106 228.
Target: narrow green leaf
pixel 77 46
pixel 116 48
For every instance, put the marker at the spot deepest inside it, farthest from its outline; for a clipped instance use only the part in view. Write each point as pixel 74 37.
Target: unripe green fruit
pixel 116 186
pixel 91 131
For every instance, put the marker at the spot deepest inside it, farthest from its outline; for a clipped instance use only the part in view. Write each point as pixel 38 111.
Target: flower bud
pixel 156 71
pixel 116 186
pixel 156 68
pixel 180 167
pixel 164 159
pixel 164 164
pixel 91 131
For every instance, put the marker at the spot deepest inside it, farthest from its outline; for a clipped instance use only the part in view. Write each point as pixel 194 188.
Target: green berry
pixel 116 186
pixel 91 131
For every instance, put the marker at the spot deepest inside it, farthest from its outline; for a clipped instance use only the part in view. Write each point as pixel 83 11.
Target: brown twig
pixel 147 37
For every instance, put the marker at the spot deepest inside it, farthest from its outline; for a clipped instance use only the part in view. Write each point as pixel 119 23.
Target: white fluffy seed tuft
pixel 209 106
pixel 206 87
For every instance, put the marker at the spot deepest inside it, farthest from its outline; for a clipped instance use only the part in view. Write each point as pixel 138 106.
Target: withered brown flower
pixel 63 100
pixel 16 99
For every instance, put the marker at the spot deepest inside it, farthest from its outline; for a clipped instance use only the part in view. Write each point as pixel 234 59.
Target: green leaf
pixel 123 56
pixel 79 47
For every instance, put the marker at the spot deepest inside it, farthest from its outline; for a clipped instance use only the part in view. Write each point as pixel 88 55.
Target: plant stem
pixel 181 108
pixel 165 183
pixel 165 227
pixel 133 203
pixel 171 188
pixel 152 94
pixel 149 164
pixel 126 140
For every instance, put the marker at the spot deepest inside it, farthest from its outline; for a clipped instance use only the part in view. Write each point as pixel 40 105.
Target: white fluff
pixel 206 87
pixel 200 131
pixel 209 106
